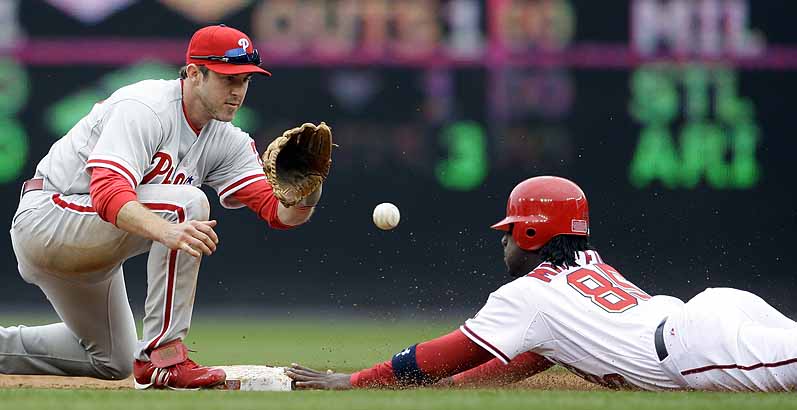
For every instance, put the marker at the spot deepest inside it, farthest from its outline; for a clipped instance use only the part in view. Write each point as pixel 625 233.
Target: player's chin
pixel 225 117
pixel 227 113
pixel 508 268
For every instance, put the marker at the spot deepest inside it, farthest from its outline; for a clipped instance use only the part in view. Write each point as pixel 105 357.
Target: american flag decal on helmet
pixel 578 226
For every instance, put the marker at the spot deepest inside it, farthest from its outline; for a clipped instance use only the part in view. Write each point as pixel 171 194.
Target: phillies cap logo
pixel 244 43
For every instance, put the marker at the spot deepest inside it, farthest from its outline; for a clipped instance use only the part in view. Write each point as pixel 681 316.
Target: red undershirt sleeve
pixel 259 197
pixel 424 363
pixel 450 354
pixel 109 191
pixel 381 375
pixel 495 372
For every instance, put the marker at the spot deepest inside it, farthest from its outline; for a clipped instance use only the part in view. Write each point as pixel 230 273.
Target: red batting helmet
pixel 543 207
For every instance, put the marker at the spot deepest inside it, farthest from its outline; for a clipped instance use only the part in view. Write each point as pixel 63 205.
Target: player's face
pixel 221 94
pixel 518 261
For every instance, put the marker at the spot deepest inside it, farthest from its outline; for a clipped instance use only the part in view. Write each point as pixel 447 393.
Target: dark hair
pixel 561 249
pixel 184 71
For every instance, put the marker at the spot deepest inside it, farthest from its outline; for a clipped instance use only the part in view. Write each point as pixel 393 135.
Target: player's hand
pixel 194 237
pixel 307 378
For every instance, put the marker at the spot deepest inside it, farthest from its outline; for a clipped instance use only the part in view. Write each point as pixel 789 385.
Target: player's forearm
pixel 294 215
pixel 496 373
pixel 301 213
pixel 138 220
pixel 109 191
pixel 424 363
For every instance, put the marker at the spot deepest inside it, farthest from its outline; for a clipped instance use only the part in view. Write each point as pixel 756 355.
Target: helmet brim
pixel 234 69
pixel 503 225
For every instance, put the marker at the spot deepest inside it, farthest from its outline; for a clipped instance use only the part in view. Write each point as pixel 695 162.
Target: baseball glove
pixel 298 162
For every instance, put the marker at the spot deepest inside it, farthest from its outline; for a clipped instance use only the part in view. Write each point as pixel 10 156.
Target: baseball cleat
pixel 170 368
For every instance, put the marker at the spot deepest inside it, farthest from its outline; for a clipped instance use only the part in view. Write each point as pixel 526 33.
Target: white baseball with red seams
pixel 386 216
pixel 76 258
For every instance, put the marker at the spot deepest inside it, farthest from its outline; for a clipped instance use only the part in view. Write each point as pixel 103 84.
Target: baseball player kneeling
pixel 568 307
pixel 125 181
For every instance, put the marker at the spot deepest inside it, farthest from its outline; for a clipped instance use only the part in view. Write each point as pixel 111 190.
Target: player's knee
pixel 117 368
pixel 197 206
pixel 119 364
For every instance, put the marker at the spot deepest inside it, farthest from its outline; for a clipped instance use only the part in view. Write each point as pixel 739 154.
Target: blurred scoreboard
pixel 496 83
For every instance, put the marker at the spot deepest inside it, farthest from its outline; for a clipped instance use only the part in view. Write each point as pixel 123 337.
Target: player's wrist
pixel 311 200
pixel 294 215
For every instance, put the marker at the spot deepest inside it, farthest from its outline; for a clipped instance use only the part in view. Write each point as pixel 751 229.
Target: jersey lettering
pixel 168 175
pixel 179 178
pixel 608 290
pixel 163 166
pixel 544 272
pixel 623 283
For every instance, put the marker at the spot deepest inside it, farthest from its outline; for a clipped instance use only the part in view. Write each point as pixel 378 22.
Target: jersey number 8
pixel 606 287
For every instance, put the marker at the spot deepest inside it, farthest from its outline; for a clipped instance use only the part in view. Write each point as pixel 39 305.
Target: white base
pixel 256 378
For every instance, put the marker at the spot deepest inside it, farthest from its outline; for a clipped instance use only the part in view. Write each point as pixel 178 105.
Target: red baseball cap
pixel 224 50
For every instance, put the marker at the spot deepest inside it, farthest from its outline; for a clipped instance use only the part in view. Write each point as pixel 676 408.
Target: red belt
pixel 35 184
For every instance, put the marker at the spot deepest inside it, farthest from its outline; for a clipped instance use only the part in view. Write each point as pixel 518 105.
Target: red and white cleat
pixel 170 368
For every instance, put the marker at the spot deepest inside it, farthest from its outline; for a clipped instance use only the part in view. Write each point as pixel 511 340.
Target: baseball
pixel 386 216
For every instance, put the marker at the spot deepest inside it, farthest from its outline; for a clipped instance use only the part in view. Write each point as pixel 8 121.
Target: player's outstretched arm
pixel 496 373
pixel 418 365
pixel 259 197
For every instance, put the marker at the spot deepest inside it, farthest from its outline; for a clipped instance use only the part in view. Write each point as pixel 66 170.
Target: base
pixel 255 378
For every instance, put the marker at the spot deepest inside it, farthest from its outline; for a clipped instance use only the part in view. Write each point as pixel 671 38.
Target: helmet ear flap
pixel 524 235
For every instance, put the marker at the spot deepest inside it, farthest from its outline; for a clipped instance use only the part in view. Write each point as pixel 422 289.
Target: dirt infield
pixel 556 380
pixel 58 382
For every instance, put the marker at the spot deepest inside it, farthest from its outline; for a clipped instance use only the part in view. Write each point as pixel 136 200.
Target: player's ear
pixel 195 75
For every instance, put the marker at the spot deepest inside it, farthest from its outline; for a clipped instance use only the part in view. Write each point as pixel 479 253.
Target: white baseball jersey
pixel 589 319
pixel 141 132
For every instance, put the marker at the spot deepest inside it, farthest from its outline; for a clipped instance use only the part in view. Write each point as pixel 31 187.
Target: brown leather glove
pixel 298 162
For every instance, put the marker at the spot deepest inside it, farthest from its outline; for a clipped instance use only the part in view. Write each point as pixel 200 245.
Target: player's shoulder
pixel 158 95
pixel 521 287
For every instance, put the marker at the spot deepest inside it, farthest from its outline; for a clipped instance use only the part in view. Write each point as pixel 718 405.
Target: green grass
pixel 410 400
pixel 344 345
pixel 347 345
